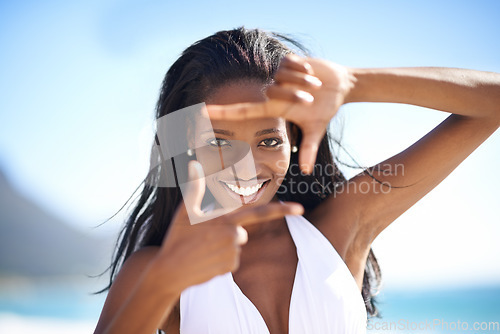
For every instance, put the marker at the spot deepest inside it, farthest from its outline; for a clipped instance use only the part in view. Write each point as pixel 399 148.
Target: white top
pixel 325 298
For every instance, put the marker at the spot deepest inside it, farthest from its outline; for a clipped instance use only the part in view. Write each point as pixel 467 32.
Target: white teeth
pixel 244 191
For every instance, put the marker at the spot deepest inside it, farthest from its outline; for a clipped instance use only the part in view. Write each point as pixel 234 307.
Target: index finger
pixel 260 214
pixel 192 193
pixel 241 111
pixel 297 63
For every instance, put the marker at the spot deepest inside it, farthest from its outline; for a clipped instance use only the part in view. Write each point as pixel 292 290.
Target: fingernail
pixel 305 96
pixel 296 208
pixel 308 68
pixel 314 81
pixel 194 169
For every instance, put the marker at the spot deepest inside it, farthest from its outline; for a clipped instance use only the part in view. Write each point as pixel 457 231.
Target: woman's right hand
pixel 193 253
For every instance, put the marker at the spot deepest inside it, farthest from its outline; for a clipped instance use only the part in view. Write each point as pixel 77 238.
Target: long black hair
pixel 227 56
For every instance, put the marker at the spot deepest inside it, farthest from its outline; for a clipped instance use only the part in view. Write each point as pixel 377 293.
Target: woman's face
pixel 234 176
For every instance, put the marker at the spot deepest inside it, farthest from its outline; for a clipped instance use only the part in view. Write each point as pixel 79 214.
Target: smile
pixel 244 191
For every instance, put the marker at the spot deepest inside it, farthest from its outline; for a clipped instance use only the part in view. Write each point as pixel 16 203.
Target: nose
pixel 249 167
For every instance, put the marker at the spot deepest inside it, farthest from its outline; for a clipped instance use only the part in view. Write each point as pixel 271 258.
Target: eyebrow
pixel 231 134
pixel 267 131
pixel 220 131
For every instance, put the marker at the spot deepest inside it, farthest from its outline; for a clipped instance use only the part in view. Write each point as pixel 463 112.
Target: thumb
pixel 309 147
pixel 194 189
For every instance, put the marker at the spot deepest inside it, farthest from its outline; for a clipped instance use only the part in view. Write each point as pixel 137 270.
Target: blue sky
pixel 79 81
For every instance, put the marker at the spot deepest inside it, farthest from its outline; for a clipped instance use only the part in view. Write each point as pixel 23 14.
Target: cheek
pixel 280 162
pixel 207 162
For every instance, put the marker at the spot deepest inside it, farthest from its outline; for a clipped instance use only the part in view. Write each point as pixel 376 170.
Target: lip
pixel 245 184
pixel 247 199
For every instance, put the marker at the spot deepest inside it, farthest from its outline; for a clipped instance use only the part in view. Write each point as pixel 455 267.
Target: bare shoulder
pixel 338 219
pixel 125 282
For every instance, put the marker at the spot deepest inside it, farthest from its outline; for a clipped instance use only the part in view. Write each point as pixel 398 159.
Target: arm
pixel 298 98
pixel 472 97
pixel 139 300
pixel 464 92
pixel 352 219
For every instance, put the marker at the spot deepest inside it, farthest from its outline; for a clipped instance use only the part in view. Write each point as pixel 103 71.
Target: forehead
pixel 238 92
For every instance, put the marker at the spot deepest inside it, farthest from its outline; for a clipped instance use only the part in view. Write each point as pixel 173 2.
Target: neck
pixel 265 230
pixel 268 229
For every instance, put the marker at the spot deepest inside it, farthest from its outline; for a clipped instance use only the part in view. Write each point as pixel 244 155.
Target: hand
pixel 194 253
pixel 307 92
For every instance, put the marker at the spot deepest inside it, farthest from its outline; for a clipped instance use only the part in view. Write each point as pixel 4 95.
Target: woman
pixel 280 267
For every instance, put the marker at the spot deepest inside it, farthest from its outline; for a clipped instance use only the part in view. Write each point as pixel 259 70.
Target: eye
pixel 218 142
pixel 271 142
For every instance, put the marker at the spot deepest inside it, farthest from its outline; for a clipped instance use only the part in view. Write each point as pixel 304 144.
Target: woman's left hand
pixel 307 92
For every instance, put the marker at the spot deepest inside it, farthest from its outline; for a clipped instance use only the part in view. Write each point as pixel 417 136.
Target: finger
pixel 289 94
pixel 241 111
pixel 214 214
pixel 309 147
pixel 242 236
pixel 244 111
pixel 260 214
pixel 195 188
pixel 296 63
pixel 221 262
pixel 297 78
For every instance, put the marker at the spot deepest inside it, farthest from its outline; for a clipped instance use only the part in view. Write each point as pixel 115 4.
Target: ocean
pixel 69 307
pixel 433 310
pixel 49 306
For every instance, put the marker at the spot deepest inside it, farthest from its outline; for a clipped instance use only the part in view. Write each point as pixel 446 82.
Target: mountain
pixel 35 243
